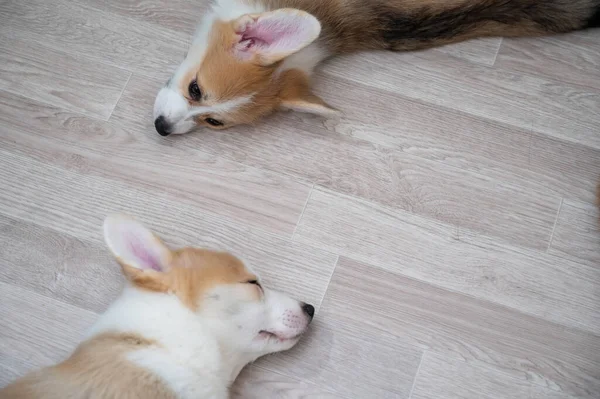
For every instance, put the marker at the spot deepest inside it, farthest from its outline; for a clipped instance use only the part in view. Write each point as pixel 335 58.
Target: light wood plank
pixel 443 377
pixel 57 265
pixel 179 15
pixel 481 51
pixel 322 151
pixel 257 383
pixel 528 281
pixel 60 79
pixel 392 169
pixel 37 331
pixel 83 201
pixel 342 356
pixel 577 233
pixel 97 35
pixel 570 170
pixel 572 58
pixel 267 200
pixel 526 101
pixel 534 351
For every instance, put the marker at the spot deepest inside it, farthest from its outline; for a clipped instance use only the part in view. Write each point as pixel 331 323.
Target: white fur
pixel 190 362
pixel 306 59
pixel 175 108
pixel 198 353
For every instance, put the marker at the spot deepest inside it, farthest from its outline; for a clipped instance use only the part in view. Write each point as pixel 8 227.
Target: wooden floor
pixel 445 227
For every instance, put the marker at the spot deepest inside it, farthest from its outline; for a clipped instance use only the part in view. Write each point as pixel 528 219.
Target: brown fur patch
pixel 295 89
pixel 192 273
pixel 354 25
pixel 223 77
pixel 97 369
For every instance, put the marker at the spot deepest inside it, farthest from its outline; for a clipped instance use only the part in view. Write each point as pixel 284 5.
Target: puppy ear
pixel 296 95
pixel 310 105
pixel 135 247
pixel 274 35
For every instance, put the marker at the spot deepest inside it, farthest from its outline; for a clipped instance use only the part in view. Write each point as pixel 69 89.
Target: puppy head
pixel 231 74
pixel 244 316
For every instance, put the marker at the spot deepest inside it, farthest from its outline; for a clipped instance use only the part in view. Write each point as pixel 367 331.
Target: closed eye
pixel 255 282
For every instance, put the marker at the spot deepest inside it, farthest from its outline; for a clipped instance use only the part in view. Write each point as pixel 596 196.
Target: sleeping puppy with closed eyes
pixel 185 325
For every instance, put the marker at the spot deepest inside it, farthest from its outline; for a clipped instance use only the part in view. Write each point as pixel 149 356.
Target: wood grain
pixel 257 383
pixel 390 168
pixel 60 79
pixel 572 58
pixel 480 51
pixel 105 37
pixel 424 224
pixel 577 233
pixel 530 102
pixel 84 201
pixel 181 16
pixel 412 313
pixel 37 331
pixel 443 377
pixel 341 356
pixel 571 170
pixel 267 200
pixel 57 265
pixel 527 281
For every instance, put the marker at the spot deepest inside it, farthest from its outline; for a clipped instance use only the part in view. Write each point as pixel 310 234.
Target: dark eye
pixel 194 91
pixel 213 122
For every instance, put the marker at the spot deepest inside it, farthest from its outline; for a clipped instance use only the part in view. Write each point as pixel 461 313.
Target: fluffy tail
pixel 352 25
pixel 429 26
pixel 594 20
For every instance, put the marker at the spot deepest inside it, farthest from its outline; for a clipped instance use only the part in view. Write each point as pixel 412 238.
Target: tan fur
pixel 192 272
pixel 295 92
pixel 223 77
pixel 348 26
pixel 98 369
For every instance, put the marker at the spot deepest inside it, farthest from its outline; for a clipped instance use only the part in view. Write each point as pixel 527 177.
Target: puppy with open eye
pixel 185 325
pixel 252 57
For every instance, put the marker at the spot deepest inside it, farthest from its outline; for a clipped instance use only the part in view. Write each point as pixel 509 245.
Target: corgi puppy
pixel 252 57
pixel 185 325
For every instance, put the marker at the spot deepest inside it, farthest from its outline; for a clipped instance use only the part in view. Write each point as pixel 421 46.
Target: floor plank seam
pixel 53 106
pixel 335 265
pixel 120 96
pixel 487 301
pixel 555 223
pixel 482 117
pixel 414 384
pixel 497 51
pixel 312 187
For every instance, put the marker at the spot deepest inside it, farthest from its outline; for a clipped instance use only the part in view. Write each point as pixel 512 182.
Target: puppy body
pixel 184 327
pixel 252 57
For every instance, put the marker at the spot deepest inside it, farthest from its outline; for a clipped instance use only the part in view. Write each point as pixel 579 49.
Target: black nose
pixel 162 126
pixel 309 310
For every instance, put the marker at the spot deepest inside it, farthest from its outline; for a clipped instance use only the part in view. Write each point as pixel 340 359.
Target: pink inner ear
pixel 271 34
pixel 142 253
pixel 266 31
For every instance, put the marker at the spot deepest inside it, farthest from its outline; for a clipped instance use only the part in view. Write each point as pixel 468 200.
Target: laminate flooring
pixel 445 227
